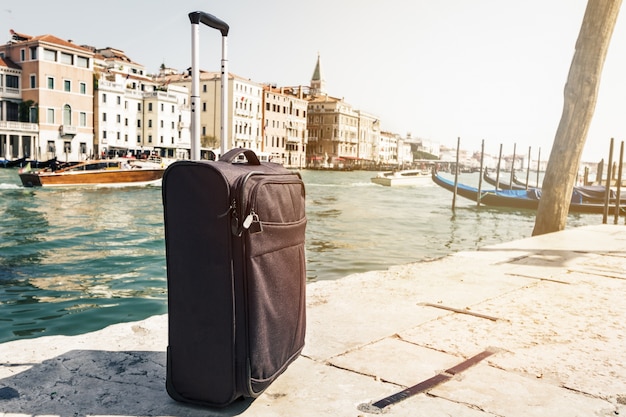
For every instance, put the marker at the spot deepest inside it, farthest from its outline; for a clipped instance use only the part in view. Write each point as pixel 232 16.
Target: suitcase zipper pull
pixel 234 220
pixel 252 223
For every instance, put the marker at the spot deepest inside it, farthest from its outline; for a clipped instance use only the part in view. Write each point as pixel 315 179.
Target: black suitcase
pixel 236 276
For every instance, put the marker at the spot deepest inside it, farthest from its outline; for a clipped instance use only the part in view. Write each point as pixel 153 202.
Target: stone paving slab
pixel 550 310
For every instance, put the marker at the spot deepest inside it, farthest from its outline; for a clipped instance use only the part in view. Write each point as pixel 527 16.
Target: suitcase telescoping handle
pixel 231 155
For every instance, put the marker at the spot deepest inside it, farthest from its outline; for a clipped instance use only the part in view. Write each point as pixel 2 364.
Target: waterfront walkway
pixel 534 327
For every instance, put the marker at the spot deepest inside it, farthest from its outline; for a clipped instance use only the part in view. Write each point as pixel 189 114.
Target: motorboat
pixel 101 172
pixel 403 177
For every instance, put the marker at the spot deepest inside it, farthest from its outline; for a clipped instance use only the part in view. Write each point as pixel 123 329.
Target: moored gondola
pixel 517 199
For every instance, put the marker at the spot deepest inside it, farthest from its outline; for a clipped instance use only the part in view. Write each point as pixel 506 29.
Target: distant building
pixel 18 132
pixel 285 134
pixel 133 114
pixel 339 135
pixel 244 115
pixel 56 83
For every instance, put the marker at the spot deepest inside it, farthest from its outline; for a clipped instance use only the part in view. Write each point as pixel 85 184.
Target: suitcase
pixel 236 276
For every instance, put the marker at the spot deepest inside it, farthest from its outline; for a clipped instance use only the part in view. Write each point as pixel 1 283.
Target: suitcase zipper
pixel 251 220
pixel 236 226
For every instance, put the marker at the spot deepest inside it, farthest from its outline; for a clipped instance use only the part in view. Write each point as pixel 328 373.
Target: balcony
pixel 67 130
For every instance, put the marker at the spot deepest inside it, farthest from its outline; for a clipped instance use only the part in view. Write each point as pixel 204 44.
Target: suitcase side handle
pixel 231 155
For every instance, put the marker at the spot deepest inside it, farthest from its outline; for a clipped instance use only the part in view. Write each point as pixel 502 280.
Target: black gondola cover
pixel 236 276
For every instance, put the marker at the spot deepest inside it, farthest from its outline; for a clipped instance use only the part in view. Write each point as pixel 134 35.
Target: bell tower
pixel 318 84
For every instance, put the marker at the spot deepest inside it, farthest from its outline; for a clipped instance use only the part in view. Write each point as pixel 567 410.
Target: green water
pixel 77 260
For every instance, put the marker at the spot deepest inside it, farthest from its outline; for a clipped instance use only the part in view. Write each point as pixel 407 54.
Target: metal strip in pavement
pixel 427 384
pixel 461 311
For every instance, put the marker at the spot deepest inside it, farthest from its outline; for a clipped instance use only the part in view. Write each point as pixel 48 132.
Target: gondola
pixel 588 193
pixel 516 199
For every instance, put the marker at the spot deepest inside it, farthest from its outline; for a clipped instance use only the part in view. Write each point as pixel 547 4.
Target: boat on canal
pixel 403 177
pixel 105 172
pixel 587 193
pixel 517 199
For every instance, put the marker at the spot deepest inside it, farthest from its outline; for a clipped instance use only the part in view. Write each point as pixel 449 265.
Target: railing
pixel 19 126
pixel 68 130
pixel 10 91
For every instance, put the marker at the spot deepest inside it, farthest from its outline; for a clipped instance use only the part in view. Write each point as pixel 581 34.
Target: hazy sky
pixel 439 69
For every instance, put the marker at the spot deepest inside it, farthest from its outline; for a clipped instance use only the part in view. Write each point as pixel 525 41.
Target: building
pixel 285 134
pixel 56 93
pixel 18 127
pixel 340 136
pixel 136 115
pixel 244 118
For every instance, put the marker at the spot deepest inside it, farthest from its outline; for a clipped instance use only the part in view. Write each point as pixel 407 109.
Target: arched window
pixel 67 115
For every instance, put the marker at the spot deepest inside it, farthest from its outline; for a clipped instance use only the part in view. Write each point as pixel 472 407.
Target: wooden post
pixel 480 176
pixel 513 166
pixel 607 191
pixel 538 167
pixel 619 183
pixel 498 169
pixel 581 95
pixel 456 173
pixel 528 168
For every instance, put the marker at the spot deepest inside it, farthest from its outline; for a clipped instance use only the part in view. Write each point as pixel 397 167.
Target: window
pixel 104 98
pixel 51 147
pixel 50 116
pixel 83 88
pixel 149 122
pixel 149 138
pixel 67 59
pixel 204 88
pixel 161 124
pixel 149 106
pixel 119 118
pixel 22 55
pixel 34 115
pixel 67 147
pixel 119 100
pixel 82 62
pixel 162 107
pixel 104 117
pixel 67 85
pixel 82 119
pixel 83 148
pixel 49 55
pixel 67 115
pixel 12 81
pixel 33 81
pixel 138 106
pixel 33 53
pixel 172 108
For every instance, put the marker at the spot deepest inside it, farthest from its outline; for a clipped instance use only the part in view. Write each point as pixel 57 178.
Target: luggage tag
pixel 252 223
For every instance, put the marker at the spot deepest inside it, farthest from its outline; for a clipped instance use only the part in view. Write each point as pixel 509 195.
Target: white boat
pixel 403 177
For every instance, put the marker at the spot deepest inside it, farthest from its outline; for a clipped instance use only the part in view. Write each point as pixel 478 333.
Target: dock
pixel 533 327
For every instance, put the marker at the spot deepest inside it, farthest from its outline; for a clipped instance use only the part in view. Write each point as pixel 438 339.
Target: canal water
pixel 77 260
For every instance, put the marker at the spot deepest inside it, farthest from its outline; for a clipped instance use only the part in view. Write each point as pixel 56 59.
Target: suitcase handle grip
pixel 231 155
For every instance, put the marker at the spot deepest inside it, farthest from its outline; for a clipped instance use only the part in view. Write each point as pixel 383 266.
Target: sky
pixel 441 70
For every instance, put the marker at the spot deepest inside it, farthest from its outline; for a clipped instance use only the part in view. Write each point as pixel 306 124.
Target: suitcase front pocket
pixel 276 281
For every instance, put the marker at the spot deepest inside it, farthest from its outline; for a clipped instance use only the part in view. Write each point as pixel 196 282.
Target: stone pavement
pixel 534 327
